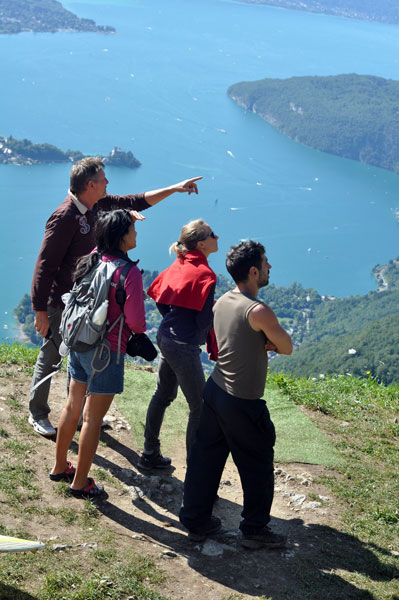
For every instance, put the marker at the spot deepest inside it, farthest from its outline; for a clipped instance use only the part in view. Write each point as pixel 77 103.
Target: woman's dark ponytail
pixel 85 264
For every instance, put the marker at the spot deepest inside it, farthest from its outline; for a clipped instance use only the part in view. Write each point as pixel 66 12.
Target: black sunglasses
pixel 212 235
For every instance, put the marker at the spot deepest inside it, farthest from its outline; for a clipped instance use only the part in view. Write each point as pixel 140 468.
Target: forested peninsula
pixel 25 152
pixel 352 116
pixel 45 16
pixel 384 11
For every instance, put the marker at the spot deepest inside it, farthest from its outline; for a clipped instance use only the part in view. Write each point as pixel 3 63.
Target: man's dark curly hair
pixel 242 257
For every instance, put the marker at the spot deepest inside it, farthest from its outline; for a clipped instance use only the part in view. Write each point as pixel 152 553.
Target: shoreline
pixel 316 8
pixel 15 333
pixel 22 337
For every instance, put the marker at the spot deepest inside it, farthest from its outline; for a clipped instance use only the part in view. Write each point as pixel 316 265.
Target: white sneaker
pixel 42 426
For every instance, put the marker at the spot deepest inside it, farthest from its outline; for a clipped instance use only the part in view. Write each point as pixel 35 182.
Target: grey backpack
pixel 78 331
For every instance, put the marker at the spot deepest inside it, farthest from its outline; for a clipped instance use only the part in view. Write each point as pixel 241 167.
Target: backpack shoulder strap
pixel 120 295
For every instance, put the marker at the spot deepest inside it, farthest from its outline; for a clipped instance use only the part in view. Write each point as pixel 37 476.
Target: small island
pixel 43 16
pixel 25 152
pixel 119 158
pixel 352 116
pixel 383 11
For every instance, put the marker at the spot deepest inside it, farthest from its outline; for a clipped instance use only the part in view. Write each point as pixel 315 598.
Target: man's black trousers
pixel 244 428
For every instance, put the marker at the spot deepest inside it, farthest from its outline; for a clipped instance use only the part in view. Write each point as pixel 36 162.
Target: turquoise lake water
pixel 158 88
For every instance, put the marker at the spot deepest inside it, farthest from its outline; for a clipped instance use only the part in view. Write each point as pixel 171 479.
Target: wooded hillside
pixel 352 116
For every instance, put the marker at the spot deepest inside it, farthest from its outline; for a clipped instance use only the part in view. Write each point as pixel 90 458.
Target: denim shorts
pixel 109 381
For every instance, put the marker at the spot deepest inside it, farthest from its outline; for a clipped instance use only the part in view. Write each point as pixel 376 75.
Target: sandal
pixel 91 490
pixel 67 475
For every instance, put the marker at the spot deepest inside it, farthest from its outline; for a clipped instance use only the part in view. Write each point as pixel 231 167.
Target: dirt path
pixel 142 511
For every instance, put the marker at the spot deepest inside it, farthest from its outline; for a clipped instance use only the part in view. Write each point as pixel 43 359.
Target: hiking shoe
pixel 153 461
pixel 201 533
pixel 42 426
pixel 262 538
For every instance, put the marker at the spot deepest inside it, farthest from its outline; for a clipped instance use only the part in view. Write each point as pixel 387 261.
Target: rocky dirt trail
pixel 142 510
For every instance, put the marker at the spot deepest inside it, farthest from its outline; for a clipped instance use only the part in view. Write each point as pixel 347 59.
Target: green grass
pixel 112 583
pixel 16 482
pixel 18 354
pixel 68 576
pixel 14 402
pixel 22 426
pixel 352 428
pixel 298 439
pixel 133 403
pixel 363 418
pixel 68 515
pixel 341 396
pixel 17 447
pixel 350 425
pixel 89 515
pixel 106 477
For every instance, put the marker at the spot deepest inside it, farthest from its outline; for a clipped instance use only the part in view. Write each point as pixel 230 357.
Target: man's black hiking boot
pixel 147 462
pixel 201 533
pixel 264 537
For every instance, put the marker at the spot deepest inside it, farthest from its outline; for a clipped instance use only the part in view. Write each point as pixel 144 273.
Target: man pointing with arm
pixel 68 236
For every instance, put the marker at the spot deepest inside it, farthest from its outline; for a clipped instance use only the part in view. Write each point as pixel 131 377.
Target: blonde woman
pixel 184 294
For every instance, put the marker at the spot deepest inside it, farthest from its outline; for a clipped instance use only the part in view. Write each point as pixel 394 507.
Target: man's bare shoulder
pixel 261 311
pixel 262 318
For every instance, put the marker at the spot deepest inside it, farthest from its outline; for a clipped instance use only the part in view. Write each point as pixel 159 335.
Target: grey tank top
pixel 241 368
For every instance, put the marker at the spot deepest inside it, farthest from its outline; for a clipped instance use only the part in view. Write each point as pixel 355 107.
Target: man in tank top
pixel 234 417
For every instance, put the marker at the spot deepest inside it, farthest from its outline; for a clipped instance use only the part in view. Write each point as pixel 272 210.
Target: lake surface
pixel 158 88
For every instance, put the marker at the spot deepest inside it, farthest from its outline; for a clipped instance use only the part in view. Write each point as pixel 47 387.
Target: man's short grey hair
pixel 84 171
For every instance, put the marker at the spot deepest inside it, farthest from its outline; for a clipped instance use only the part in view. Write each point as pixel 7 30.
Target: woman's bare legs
pixel 67 425
pixel 95 409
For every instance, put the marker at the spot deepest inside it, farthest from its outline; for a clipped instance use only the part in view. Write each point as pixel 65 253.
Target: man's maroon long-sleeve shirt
pixel 68 236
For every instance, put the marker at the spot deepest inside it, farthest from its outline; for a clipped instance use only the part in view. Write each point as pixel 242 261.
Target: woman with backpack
pixel 184 294
pixel 115 234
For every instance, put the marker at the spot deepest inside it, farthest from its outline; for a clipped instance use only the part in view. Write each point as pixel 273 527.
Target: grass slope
pixel 364 426
pixel 356 559
pixel 298 439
